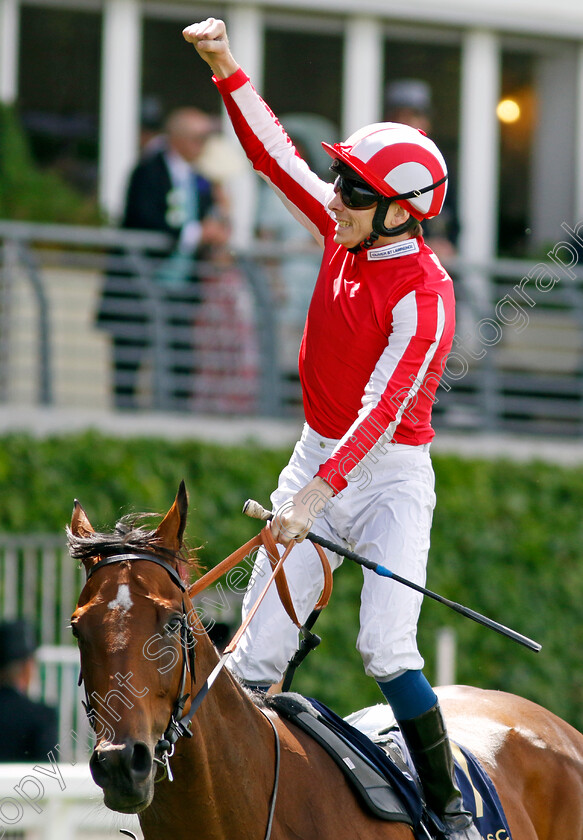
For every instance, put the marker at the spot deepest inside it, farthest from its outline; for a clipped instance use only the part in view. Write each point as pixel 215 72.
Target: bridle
pixel 178 724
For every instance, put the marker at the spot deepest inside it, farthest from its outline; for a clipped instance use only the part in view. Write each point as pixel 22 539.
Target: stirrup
pixel 461 827
pixel 470 833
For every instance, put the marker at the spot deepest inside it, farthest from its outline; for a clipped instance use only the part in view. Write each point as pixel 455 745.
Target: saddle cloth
pixel 370 750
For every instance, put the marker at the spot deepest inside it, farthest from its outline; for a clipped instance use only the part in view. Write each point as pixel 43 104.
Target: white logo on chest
pixel 123 601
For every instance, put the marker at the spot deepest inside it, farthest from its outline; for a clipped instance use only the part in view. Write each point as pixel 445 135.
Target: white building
pixel 79 70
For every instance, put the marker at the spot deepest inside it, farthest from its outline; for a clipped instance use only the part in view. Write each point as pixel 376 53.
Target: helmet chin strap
pixel 379 229
pixel 378 222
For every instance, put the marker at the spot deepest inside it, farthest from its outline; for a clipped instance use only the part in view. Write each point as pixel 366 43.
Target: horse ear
pixel 80 524
pixel 171 530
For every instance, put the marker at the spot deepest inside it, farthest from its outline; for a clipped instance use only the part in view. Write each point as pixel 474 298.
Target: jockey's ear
pixel 396 215
pixel 80 524
pixel 171 530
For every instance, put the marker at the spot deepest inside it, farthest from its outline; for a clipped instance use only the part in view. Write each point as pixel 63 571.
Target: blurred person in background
pixel 28 728
pixel 408 101
pixel 168 194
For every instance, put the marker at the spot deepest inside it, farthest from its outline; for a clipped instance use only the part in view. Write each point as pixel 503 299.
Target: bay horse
pixel 144 656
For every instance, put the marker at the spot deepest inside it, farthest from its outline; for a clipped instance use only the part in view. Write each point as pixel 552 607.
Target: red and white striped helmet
pixel 396 160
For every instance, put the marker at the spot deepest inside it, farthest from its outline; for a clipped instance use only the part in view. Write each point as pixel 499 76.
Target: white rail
pixel 56 802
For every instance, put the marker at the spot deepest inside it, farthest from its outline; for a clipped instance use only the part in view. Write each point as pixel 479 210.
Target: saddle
pixel 371 752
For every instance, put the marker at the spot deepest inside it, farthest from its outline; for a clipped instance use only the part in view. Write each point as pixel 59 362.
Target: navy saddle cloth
pixel 363 729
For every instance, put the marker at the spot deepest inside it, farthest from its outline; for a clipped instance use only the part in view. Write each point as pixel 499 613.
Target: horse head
pixel 135 626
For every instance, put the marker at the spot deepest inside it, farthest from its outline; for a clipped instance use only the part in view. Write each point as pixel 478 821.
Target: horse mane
pixel 130 533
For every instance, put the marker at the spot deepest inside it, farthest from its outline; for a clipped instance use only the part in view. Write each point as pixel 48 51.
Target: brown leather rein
pixel 265 538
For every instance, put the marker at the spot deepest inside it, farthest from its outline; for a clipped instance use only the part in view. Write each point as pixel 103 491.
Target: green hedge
pixel 30 193
pixel 506 541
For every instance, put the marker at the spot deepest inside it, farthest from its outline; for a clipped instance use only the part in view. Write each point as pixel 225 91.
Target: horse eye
pixel 173 624
pixel 74 630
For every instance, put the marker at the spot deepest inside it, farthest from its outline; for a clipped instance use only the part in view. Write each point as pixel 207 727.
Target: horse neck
pixel 223 774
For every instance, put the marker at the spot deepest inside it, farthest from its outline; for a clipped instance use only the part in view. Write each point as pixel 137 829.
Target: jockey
pixel 379 328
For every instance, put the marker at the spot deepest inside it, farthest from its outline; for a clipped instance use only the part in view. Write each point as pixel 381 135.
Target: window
pixel 436 66
pixel 60 57
pixel 173 76
pixel 303 72
pixel 516 119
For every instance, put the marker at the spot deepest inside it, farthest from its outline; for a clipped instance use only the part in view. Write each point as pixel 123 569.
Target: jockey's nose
pixel 131 762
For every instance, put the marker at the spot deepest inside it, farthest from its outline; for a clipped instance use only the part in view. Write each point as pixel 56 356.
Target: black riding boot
pixel 426 737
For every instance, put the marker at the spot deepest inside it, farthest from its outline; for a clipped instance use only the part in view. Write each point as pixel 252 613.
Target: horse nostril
pixel 140 761
pixel 99 769
pixel 114 763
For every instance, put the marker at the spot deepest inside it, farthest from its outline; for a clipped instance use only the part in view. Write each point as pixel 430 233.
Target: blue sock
pixel 409 695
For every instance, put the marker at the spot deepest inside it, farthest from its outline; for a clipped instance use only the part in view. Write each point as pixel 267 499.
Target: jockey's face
pixel 353 225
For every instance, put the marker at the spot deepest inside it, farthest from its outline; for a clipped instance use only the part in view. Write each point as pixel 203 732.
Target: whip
pixel 257 511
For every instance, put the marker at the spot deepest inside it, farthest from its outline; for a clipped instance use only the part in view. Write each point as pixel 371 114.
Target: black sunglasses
pixel 354 194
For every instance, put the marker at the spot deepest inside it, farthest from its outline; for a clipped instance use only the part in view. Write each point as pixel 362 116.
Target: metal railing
pixel 96 317
pixel 517 360
pixel 41 803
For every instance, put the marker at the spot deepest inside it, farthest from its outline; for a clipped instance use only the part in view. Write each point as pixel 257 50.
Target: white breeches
pixel 384 514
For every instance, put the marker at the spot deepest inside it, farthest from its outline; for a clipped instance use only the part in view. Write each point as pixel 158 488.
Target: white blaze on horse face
pixel 116 620
pixel 123 602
